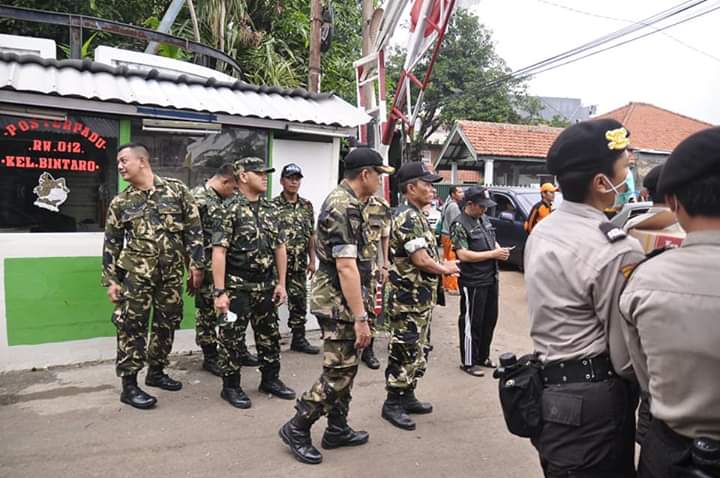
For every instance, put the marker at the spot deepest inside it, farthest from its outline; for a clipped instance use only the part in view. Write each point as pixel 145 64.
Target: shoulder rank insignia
pixel 612 232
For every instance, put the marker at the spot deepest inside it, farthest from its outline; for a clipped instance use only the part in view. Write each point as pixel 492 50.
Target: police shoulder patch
pixel 612 232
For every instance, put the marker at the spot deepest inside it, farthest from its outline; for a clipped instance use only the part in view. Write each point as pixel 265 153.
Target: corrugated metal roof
pixel 90 80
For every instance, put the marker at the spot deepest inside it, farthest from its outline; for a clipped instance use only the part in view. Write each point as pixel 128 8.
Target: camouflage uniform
pixel 210 205
pixel 376 217
pixel 297 220
pixel 340 235
pixel 411 297
pixel 148 236
pixel 250 233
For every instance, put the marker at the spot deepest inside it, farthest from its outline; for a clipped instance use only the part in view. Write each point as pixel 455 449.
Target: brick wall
pixel 464 176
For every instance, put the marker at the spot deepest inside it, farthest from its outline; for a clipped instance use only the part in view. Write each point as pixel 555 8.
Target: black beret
pixel 364 157
pixel 651 179
pixel 416 170
pixel 584 146
pixel 697 157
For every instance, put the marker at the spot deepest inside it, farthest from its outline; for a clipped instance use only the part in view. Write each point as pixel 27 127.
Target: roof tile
pixel 511 140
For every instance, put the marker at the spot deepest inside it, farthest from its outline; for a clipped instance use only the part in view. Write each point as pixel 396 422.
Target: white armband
pixel 345 251
pixel 416 245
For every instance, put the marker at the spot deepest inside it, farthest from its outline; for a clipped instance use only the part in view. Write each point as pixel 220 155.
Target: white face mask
pixel 620 197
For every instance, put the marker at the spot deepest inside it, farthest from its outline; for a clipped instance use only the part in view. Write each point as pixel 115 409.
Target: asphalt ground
pixel 68 421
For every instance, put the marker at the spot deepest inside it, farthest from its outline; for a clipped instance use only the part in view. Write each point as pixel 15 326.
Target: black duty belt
pixel 595 369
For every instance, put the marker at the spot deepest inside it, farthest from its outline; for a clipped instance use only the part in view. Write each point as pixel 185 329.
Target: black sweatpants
pixel 476 324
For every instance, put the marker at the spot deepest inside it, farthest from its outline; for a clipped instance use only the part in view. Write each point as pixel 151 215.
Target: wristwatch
pixel 218 292
pixel 361 318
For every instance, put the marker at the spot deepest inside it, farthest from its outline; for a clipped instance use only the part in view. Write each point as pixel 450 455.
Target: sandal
pixel 489 363
pixel 475 370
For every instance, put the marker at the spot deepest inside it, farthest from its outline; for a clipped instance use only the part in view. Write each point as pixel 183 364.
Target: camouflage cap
pixel 251 163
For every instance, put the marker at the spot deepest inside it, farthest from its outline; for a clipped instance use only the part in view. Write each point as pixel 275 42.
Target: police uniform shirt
pixel 574 275
pixel 672 309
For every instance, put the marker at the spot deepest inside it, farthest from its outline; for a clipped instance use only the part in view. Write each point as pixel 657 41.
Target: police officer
pixel 574 270
pixel 413 285
pixel 671 305
pixel 249 266
pixel 376 217
pixel 152 229
pixel 473 238
pixel 297 216
pixel 209 198
pixel 337 302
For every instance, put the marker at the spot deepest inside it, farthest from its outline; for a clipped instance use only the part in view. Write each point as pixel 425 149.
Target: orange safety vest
pixel 538 212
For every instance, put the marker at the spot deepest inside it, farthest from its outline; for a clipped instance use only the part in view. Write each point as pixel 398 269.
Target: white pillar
pixel 489 172
pixel 453 172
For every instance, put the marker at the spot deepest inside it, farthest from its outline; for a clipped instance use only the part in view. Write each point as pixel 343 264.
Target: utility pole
pixel 314 67
pixel 368 91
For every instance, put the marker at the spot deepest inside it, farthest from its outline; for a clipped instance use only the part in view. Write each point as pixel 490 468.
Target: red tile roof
pixel 511 140
pixel 655 128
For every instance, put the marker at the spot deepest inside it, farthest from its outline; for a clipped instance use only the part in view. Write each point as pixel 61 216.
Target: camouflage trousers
pixel 163 293
pixel 409 348
pixel 331 393
pixel 297 299
pixel 205 316
pixel 256 308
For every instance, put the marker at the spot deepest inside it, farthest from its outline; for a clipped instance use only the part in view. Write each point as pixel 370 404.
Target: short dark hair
pixel 138 148
pixel 575 185
pixel 404 186
pixel 354 173
pixel 226 170
pixel 701 197
pixel 454 188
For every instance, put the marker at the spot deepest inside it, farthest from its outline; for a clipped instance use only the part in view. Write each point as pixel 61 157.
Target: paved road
pixel 68 421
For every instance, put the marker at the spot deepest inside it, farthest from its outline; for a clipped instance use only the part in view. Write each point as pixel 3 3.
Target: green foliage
pixel 467 82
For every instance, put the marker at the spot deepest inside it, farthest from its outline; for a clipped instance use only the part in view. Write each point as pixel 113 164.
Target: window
pixel 194 158
pixel 505 204
pixel 56 175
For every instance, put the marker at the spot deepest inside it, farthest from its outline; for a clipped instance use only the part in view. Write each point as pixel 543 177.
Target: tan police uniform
pixel 671 307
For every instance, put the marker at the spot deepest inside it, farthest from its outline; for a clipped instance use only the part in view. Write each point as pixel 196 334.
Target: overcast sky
pixel 657 69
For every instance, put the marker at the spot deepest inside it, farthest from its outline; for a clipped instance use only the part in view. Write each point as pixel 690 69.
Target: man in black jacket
pixel 473 239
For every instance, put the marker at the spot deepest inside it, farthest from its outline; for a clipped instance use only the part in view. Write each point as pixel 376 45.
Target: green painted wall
pixel 56 299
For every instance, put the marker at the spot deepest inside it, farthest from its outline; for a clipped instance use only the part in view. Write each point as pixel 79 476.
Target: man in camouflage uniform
pixel 297 218
pixel 210 199
pixel 376 216
pixel 153 228
pixel 249 266
pixel 414 276
pixel 337 302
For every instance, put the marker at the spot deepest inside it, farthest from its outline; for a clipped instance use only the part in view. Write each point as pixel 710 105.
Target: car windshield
pixel 529 199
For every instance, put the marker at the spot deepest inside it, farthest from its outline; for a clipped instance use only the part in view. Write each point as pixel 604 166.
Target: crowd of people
pixel 604 319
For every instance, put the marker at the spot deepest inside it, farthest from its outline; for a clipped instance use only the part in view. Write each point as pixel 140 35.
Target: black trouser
pixel 476 324
pixel 588 431
pixel 666 454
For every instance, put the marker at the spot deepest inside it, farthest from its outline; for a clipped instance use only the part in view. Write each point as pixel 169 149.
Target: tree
pixel 469 80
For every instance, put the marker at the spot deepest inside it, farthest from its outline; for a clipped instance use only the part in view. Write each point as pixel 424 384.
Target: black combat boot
pixel 210 363
pixel 248 360
pixel 296 434
pixel 393 410
pixel 300 344
pixel 368 356
pixel 413 405
pixel 134 395
pixel 156 377
pixel 272 384
pixel 233 394
pixel 338 433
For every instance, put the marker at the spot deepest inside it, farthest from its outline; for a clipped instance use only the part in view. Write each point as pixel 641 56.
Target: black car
pixel 513 207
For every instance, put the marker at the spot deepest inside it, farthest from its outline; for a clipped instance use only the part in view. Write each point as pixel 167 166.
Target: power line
pixel 553 62
pixel 625 20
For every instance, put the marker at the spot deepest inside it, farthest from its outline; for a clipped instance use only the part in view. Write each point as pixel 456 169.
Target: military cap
pixel 479 196
pixel 697 157
pixel 584 146
pixel 416 170
pixel 364 157
pixel 251 163
pixel 291 169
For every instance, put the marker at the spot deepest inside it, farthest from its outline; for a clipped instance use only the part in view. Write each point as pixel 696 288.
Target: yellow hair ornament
pixel 617 138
